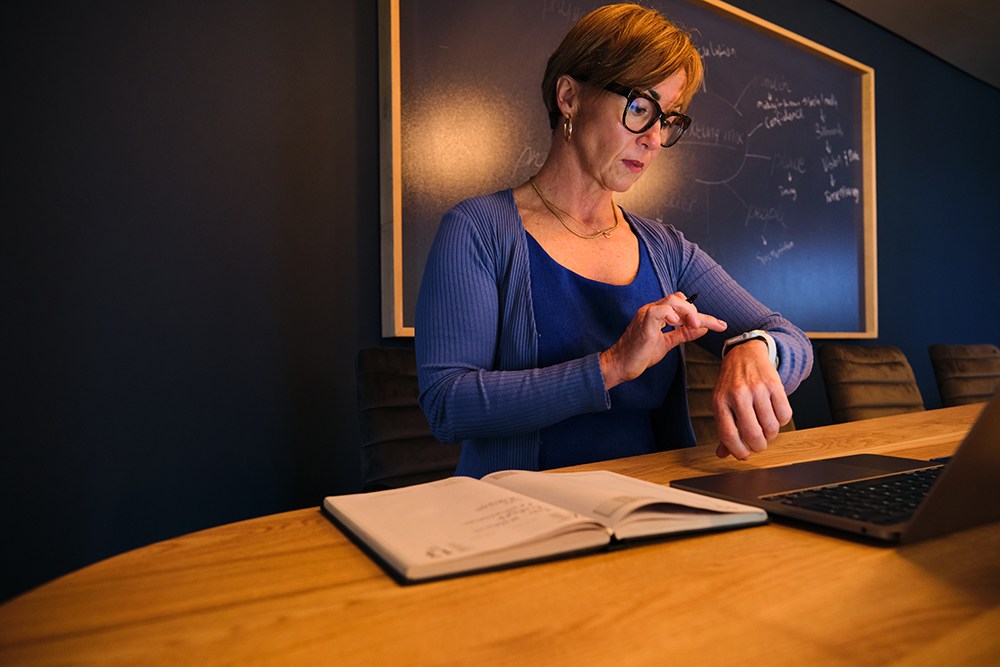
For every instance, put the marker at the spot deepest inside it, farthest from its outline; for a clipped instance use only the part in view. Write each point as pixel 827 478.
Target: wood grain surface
pixel 291 589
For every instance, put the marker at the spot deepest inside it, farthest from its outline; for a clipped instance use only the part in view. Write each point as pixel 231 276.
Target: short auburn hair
pixel 626 44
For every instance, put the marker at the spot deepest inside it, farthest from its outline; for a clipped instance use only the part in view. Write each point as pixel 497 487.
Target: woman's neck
pixel 572 193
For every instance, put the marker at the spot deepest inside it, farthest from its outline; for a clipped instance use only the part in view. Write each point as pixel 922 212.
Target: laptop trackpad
pixel 750 484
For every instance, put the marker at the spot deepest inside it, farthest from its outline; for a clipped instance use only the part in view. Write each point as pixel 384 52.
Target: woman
pixel 549 319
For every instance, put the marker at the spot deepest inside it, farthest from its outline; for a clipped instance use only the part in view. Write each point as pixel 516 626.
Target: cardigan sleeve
pixel 720 295
pixel 459 326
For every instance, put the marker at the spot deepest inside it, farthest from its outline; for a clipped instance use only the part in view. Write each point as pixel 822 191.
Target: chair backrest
pixel 397 448
pixel 966 373
pixel 703 369
pixel 868 381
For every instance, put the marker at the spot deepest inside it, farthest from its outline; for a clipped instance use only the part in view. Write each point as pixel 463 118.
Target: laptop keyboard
pixel 883 500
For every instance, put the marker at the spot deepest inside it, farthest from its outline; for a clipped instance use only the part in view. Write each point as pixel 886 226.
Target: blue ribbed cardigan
pixel 476 341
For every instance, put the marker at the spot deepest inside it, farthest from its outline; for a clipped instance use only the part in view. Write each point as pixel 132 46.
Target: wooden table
pixel 290 589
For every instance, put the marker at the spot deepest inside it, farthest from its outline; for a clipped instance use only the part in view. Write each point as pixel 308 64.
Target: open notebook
pixel 459 525
pixel 883 497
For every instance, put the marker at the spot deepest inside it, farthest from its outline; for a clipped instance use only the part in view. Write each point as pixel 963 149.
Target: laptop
pixel 885 498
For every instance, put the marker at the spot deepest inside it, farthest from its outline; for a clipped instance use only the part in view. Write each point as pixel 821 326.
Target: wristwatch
pixel 772 350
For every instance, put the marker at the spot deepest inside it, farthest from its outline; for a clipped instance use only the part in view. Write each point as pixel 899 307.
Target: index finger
pixel 672 309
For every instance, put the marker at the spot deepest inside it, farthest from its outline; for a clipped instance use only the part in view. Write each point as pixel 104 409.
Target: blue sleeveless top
pixel 575 317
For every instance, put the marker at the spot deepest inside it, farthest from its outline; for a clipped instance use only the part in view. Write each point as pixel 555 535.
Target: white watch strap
pixel 772 349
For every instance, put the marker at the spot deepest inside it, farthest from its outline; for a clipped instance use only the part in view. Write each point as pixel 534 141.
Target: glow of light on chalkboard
pixel 651 194
pixel 451 146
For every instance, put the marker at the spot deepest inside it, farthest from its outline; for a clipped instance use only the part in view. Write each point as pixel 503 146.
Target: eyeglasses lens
pixel 642 112
pixel 672 129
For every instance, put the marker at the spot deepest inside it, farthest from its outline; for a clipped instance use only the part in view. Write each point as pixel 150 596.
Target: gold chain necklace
pixel 553 209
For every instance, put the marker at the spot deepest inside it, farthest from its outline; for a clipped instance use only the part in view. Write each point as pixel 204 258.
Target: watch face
pixel 739 339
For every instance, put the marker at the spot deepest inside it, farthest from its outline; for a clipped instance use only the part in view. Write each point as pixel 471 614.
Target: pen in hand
pixel 690 299
pixel 694 296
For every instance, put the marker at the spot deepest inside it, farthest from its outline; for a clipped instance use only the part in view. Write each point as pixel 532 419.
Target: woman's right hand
pixel 645 343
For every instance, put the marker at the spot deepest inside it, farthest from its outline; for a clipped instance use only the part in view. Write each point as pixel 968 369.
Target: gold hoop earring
pixel 568 128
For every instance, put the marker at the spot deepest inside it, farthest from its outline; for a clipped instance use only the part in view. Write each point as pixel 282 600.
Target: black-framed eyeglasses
pixel 642 112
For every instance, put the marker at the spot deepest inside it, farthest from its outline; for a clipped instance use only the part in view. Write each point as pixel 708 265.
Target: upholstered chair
pixel 397 448
pixel 966 373
pixel 868 381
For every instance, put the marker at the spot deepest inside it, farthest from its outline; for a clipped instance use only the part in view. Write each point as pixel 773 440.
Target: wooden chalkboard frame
pixel 393 217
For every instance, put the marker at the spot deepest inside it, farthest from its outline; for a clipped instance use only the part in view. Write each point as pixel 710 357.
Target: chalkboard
pixel 775 178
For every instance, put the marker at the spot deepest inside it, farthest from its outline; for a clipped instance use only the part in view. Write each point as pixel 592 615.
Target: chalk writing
pixel 843 159
pixel 770 256
pixel 841 193
pixel 784 117
pixel 823 131
pixel 777 84
pixel 679 203
pixel 713 50
pixel 765 213
pixel 529 157
pixel 715 135
pixel 771 102
pixel 795 163
pixel 788 192
pixel 571 11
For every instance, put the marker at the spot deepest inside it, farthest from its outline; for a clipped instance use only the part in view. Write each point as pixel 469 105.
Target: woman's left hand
pixel 749 401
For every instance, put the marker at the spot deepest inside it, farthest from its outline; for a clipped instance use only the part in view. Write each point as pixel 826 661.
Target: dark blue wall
pixel 190 255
